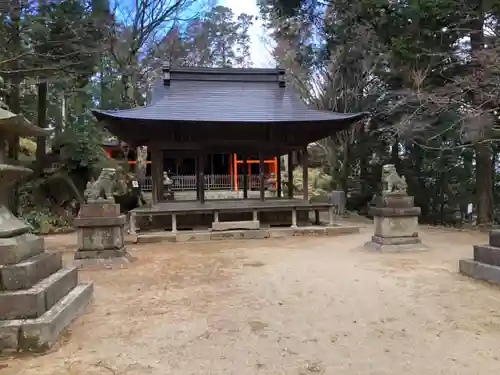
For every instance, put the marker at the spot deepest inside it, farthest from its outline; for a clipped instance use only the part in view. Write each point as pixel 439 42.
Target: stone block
pixel 487 254
pixel 38 335
pixel 479 271
pixel 33 302
pixel 25 274
pixel 235 225
pixel 495 238
pixel 22 304
pixel 103 238
pixel 58 285
pixel 396 226
pixel 16 249
pixel 99 209
pixel 9 334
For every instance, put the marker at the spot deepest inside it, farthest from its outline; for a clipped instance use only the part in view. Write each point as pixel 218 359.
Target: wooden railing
pixel 212 182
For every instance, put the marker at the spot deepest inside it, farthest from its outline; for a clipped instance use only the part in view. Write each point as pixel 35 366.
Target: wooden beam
pixel 261 176
pixel 305 174
pixel 290 175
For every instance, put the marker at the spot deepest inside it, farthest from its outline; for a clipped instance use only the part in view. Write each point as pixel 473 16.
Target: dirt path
pixel 295 306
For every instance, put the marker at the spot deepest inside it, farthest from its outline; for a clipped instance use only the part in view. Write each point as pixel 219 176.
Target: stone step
pixel 479 271
pixel 16 249
pixel 25 274
pixel 234 225
pixel 40 334
pixel 487 254
pixel 32 303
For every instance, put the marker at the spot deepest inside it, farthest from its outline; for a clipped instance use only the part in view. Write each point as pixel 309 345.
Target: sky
pixel 259 50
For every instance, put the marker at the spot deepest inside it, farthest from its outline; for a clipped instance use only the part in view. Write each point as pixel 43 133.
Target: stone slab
pixel 192 236
pixel 102 238
pixel 105 262
pixel 235 225
pixel 479 271
pixel 394 201
pixel 394 212
pixel 99 209
pixel 100 254
pixel 17 249
pixel 338 230
pixel 240 234
pixel 385 248
pixel 396 240
pixel 38 335
pixel 495 238
pixel 33 302
pixel 25 274
pixel 487 254
pixel 91 222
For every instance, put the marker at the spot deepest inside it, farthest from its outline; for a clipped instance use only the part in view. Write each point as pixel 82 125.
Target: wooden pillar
pixel 245 177
pixel 261 176
pixel 290 175
pixel 278 176
pixel 305 174
pixel 201 174
pixel 231 170
pixel 157 174
pixel 197 175
pixel 235 176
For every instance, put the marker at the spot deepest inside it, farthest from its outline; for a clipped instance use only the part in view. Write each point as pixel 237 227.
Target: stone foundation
pixel 486 262
pixel 262 233
pixel 204 221
pixel 396 224
pixel 38 296
pixel 100 231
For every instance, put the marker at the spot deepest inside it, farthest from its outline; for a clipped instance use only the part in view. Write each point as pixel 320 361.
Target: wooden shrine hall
pixel 197 111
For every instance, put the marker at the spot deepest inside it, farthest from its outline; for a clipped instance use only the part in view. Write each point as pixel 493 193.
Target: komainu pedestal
pixel 101 229
pixel 395 216
pixel 486 262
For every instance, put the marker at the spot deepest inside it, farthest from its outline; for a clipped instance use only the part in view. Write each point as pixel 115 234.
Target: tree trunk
pixel 484 170
pixel 42 122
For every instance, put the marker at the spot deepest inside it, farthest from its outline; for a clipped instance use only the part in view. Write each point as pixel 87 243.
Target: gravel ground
pixel 281 306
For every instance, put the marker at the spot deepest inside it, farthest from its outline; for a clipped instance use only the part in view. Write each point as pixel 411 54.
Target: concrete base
pixel 39 334
pixel 188 236
pixel 234 225
pixel 395 244
pixel 479 271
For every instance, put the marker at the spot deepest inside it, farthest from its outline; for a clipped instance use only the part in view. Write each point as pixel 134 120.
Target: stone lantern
pixel 39 297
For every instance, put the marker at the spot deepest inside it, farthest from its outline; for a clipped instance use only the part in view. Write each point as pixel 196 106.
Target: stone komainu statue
pixel 103 187
pixel 392 181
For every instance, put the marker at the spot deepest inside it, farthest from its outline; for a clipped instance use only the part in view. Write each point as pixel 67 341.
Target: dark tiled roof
pixel 226 95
